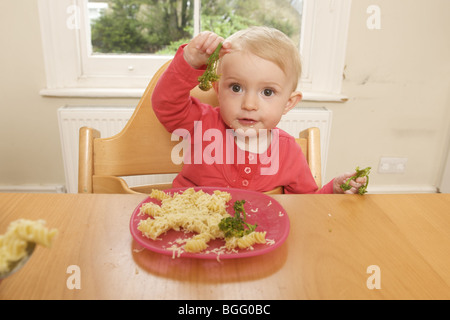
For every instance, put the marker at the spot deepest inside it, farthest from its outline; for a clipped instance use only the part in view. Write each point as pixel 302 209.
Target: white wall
pixel 397 80
pixel 398 83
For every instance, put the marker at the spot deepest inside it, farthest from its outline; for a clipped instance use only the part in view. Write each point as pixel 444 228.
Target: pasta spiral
pixel 14 242
pixel 246 241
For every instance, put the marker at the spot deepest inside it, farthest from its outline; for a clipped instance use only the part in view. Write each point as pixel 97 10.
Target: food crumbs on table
pixel 330 219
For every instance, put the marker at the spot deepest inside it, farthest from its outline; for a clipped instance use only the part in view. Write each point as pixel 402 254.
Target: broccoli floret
pixel 235 226
pixel 210 74
pixel 359 173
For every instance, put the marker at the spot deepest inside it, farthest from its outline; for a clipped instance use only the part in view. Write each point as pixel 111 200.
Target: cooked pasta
pixel 247 241
pixel 13 249
pixel 151 209
pixel 14 242
pixel 159 194
pixel 191 211
pixel 196 244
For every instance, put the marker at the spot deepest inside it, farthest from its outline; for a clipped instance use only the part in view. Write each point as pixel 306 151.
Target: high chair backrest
pixel 144 147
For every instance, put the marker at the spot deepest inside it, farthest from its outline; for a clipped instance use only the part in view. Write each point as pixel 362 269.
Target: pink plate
pixel 260 208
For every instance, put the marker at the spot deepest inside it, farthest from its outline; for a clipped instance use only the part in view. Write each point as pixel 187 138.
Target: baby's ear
pixel 294 99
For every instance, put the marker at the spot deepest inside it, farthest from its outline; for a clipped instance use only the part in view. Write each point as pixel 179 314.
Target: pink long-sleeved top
pixel 212 156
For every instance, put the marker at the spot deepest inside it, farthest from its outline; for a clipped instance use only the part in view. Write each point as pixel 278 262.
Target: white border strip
pixel 33 189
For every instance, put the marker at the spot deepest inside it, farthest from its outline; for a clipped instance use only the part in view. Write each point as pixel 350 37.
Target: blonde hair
pixel 272 45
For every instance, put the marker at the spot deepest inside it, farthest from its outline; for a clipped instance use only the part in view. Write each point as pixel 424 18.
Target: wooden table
pixel 334 241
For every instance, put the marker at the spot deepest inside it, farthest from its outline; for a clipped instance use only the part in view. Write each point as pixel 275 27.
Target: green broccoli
pixel 359 173
pixel 210 74
pixel 235 226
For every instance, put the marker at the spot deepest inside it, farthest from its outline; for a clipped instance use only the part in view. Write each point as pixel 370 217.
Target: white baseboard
pixel 387 189
pixel 34 189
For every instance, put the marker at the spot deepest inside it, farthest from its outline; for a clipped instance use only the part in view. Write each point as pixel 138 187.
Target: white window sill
pixel 137 93
pixel 93 93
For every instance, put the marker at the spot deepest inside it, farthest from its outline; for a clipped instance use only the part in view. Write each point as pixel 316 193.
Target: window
pixel 159 27
pixel 85 55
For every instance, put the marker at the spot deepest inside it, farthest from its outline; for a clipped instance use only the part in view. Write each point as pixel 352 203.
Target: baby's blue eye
pixel 268 92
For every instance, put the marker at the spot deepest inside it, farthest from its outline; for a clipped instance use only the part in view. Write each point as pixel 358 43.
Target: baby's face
pixel 253 92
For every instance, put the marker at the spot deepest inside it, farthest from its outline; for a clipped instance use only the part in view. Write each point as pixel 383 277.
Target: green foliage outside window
pixel 161 26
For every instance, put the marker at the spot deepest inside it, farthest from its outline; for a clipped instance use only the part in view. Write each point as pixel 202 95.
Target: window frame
pixel 71 70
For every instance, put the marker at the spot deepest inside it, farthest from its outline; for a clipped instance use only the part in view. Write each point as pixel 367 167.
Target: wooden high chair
pixel 144 147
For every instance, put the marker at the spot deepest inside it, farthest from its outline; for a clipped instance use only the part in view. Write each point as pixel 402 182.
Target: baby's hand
pixel 355 184
pixel 198 50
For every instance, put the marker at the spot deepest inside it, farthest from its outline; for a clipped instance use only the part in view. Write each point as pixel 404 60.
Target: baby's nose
pixel 250 102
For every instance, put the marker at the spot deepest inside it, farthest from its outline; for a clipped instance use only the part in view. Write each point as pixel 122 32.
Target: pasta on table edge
pixel 19 233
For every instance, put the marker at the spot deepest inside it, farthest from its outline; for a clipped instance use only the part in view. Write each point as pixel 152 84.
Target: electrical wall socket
pixel 392 165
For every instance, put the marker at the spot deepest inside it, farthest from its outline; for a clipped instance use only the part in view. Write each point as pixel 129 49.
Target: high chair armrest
pixel 86 159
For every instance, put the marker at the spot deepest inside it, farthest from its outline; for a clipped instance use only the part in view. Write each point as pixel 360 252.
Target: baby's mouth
pixel 247 122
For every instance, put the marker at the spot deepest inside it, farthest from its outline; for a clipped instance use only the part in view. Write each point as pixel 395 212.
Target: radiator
pixel 110 120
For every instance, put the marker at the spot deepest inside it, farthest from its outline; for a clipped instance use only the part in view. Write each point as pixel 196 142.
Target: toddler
pixel 237 144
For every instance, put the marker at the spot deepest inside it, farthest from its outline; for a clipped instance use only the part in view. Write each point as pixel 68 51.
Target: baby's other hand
pixel 198 50
pixel 354 184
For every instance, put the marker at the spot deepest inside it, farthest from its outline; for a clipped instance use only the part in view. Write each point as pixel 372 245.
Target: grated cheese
pixel 192 211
